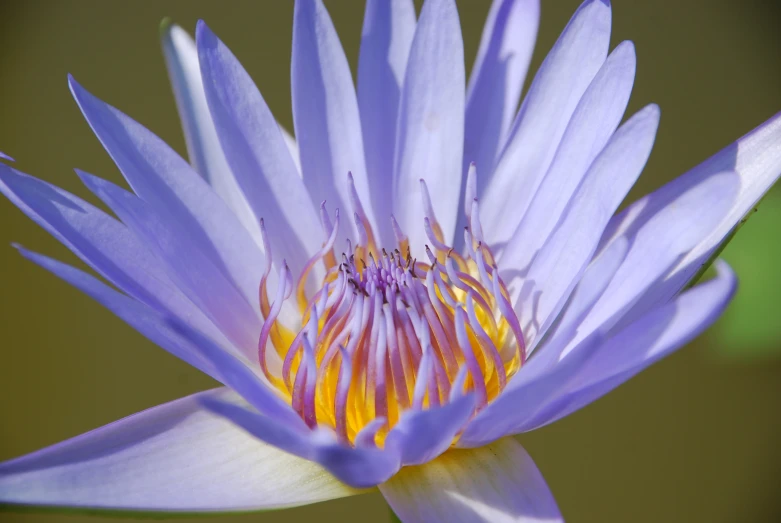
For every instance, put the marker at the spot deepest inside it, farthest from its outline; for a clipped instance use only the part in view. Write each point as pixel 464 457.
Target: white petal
pixel 177 457
pixel 498 483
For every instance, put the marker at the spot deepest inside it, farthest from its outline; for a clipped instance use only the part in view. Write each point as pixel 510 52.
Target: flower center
pixel 386 333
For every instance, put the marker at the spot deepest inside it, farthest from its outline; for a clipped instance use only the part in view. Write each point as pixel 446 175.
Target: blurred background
pixel 694 438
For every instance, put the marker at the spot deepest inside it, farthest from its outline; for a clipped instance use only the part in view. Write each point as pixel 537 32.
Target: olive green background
pixel 695 438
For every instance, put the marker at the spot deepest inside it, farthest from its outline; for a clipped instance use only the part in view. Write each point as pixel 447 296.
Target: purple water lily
pixel 421 273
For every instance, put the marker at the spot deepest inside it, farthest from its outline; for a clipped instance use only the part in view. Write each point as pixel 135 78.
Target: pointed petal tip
pixel 5 157
pixel 203 34
pixel 627 46
pixel 598 7
pixel 173 35
pixel 85 177
pixel 29 255
pixel 651 111
pixel 80 94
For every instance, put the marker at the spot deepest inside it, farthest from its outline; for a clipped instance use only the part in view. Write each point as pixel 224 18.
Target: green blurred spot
pixel 750 328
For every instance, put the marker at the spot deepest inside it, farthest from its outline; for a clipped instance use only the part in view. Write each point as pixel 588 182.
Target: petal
pixel 181 340
pixel 186 262
pixel 203 144
pixel 640 344
pixel 542 378
pixel 586 294
pixel 168 184
pixel 177 457
pixel 425 434
pixel 594 121
pixel 325 111
pixel 357 467
pixel 657 246
pixel 292 147
pixel 555 92
pixel 498 484
pixel 139 316
pixel 756 157
pixel 565 255
pixel 6 157
pixel 103 243
pixel 497 78
pixel 255 149
pixel 430 136
pixel 388 28
pixel 247 382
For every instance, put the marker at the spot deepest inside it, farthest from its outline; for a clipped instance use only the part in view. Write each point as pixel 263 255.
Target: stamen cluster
pixel 386 333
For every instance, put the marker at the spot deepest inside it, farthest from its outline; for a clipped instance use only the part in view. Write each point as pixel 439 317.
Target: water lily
pixel 422 273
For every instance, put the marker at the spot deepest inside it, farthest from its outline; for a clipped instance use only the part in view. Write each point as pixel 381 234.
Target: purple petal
pixel 423 435
pixel 586 294
pixel 756 158
pixel 139 316
pixel 169 185
pixel 203 144
pixel 565 255
pixel 357 467
pixel 247 382
pixel 642 343
pixel 388 28
pixel 177 457
pixel 431 124
pixel 187 265
pixel 594 121
pixel 182 341
pixel 495 484
pixel 325 111
pixel 292 146
pixel 101 242
pixel 6 157
pixel 505 411
pixel 541 379
pixel 497 78
pixel 256 151
pixel 555 92
pixel 658 245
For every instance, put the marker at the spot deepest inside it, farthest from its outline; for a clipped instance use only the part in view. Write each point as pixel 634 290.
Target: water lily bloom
pixel 422 272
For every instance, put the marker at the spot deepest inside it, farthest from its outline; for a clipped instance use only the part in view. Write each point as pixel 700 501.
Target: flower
pixel 353 355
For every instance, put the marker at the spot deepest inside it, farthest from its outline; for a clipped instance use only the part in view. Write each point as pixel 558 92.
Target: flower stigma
pixel 387 333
